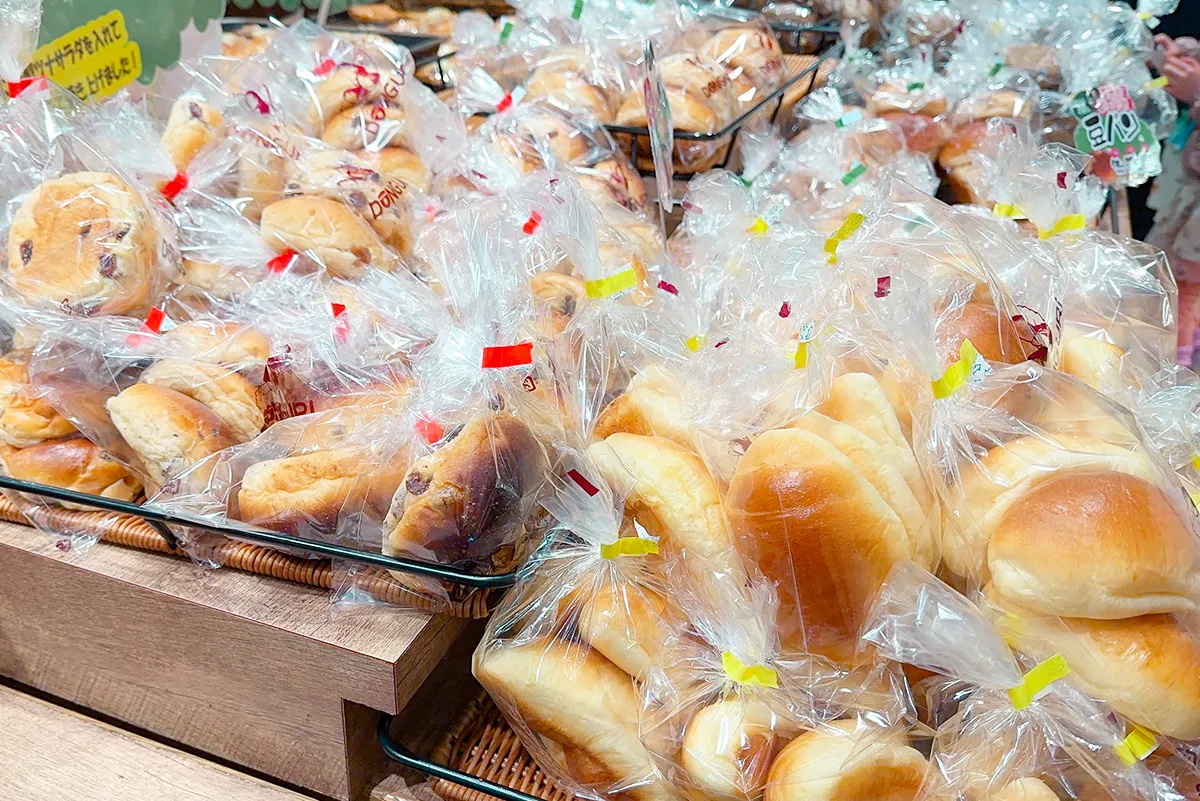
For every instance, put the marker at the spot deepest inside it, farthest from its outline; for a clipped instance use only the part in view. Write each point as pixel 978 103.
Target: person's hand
pixel 1183 73
pixel 1166 44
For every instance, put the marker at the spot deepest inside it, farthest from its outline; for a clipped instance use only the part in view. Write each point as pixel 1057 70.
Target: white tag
pixel 979 370
pixel 807 332
pixel 775 208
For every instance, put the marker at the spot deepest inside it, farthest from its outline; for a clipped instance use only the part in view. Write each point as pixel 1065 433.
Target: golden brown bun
pixel 991 485
pixel 1141 556
pixel 1093 361
pixel 84 242
pixel 348 85
pixel 1147 668
pixel 550 131
pixel 647 408
pixel 959 147
pixel 628 625
pixel 965 185
pixel 577 699
pixel 233 345
pixel 462 504
pixel 820 532
pixel 613 180
pixel 231 397
pixel 72 464
pixel 570 91
pixel 373 13
pixel 398 163
pixel 866 765
pixel 335 235
pixel 893 96
pixel 921 134
pixel 25 418
pixel 262 173
pixel 371 126
pixel 1003 103
pixel 311 490
pixel 997 340
pixel 556 298
pixel 1024 790
pixel 167 430
pixel 246 41
pixel 669 491
pixel 1036 58
pixel 729 746
pixel 748 51
pixel 191 125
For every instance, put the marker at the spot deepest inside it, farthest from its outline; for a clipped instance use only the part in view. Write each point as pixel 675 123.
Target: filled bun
pixel 226 393
pixel 330 230
pixel 72 464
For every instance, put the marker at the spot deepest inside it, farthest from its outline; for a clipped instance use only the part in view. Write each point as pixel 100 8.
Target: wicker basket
pixel 133 532
pixel 482 744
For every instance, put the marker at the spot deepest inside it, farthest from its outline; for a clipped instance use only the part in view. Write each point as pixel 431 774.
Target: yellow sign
pixel 94 60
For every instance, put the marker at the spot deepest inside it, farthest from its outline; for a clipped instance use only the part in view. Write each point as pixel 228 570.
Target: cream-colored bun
pixel 346 86
pixel 373 13
pixel 998 339
pixel 1146 668
pixel 628 625
pixel 613 180
pixel 669 491
pixel 1024 790
pixel 729 745
pixel 965 185
pixel 368 127
pixel 569 91
pixel 398 164
pixel 1000 478
pixel 701 108
pixel 702 78
pixel 72 464
pixel 167 430
pixel 582 703
pixel 86 243
pixel 25 418
pixel 747 51
pixel 191 125
pixel 1002 103
pixel 893 96
pixel 820 532
pixel 846 765
pixel 312 490
pixel 647 408
pixel 1142 557
pixel 224 281
pixel 921 134
pixel 230 396
pixel 246 41
pixel 336 236
pixel 556 298
pixel 234 345
pixel 547 130
pixel 1093 361
pixel 462 504
pixel 885 477
pixel 262 171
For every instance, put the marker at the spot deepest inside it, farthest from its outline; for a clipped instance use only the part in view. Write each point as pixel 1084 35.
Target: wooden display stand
pixel 252 670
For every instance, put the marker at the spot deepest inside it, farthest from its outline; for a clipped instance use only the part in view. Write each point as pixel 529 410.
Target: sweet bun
pixel 373 13
pixel 1004 474
pixel 1146 668
pixel 628 625
pixel 820 532
pixel 583 704
pixel 233 345
pixel 921 134
pixel 997 339
pixel 1024 790
pixel 892 96
pixel 25 418
pixel 246 41
pixel 191 125
pixel 647 408
pixel 463 504
pixel 1093 361
pixel 545 129
pixel 398 164
pixel 262 171
pixel 615 181
pixel 371 127
pixel 569 91
pixel 84 242
pixel 72 464
pixel 556 298
pixel 336 236
pixel 842 764
pixel 299 493
pixel 1142 556
pixel 1002 103
pixel 748 51
pixel 225 392
pixel 168 431
pixel 729 745
pixel 346 86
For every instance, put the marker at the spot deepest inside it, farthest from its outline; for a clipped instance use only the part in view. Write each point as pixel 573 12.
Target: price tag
pixel 658 121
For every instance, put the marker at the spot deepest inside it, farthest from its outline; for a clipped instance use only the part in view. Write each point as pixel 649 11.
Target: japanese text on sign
pixel 94 60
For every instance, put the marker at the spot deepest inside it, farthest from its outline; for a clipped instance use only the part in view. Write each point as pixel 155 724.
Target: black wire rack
pixel 161 521
pixel 638 137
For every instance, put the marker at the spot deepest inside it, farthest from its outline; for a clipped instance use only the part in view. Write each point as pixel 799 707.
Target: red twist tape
pixel 175 186
pixel 429 430
pixel 666 286
pixel 583 483
pixel 785 310
pixel 325 67
pixel 16 87
pixel 281 262
pixel 154 320
pixel 1062 180
pixel 505 102
pixel 532 223
pixel 507 355
pixel 883 286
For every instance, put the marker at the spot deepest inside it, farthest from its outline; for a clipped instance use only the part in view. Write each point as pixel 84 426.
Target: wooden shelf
pixel 253 670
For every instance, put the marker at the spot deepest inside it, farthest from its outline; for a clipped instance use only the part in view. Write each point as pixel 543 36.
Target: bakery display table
pixel 249 669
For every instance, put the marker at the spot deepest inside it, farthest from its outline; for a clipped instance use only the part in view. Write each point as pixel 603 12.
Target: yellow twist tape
pixel 1196 461
pixel 1138 745
pixel 801 356
pixel 1161 82
pixel 695 343
pixel 605 287
pixel 1009 210
pixel 759 227
pixel 1072 222
pixel 852 224
pixel 1038 679
pixel 757 675
pixel 1195 496
pixel 628 546
pixel 957 374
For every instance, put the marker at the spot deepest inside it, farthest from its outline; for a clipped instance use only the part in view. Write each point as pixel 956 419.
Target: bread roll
pixel 1001 103
pixel 373 13
pixel 895 96
pixel 628 625
pixel 998 339
pixel 340 239
pixel 168 431
pixel 232 398
pixel 921 134
pixel 750 51
pixel 729 745
pixel 577 699
pixel 191 125
pixel 72 464
pixel 1141 558
pixel 820 532
pixel 613 181
pixel 556 298
pixel 398 164
pixel 647 409
pixel 1024 790
pixel 233 345
pixel 369 127
pixel 846 765
pixel 1146 668
pixel 25 418
pixel 1093 361
pixel 569 91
